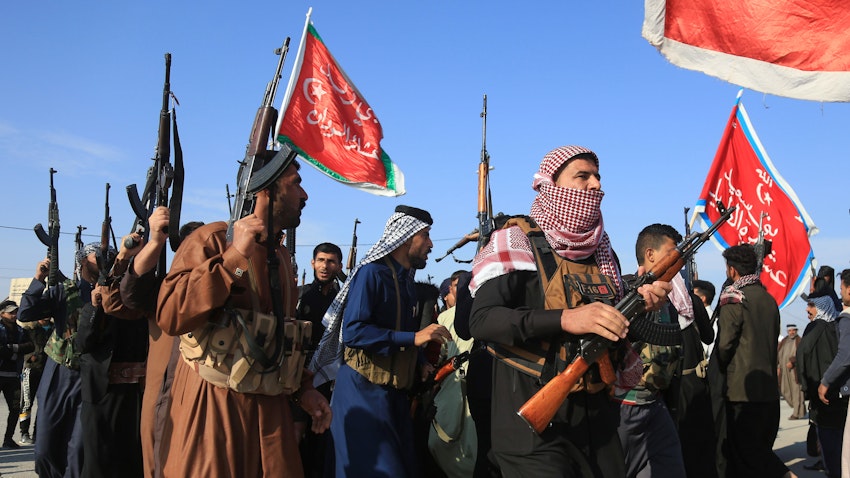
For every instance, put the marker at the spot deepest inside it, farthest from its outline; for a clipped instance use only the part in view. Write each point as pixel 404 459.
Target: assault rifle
pixel 540 408
pixel 762 247
pixel 439 375
pixel 51 237
pixel 78 246
pixel 352 252
pixel 486 224
pixel 256 151
pixel 161 177
pixel 690 264
pixel 104 265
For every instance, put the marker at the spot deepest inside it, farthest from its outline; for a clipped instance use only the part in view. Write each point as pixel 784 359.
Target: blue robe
pixel 371 427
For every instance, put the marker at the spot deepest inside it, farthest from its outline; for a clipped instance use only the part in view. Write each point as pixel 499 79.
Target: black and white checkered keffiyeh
pixel 91 248
pixel 328 358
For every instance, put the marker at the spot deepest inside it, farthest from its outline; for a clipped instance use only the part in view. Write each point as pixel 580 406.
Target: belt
pixel 126 372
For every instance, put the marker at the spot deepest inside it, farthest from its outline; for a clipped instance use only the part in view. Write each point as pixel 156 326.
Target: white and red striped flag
pixel 743 175
pixel 798 49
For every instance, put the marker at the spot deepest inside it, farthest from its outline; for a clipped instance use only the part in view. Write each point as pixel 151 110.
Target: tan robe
pixel 788 385
pixel 217 432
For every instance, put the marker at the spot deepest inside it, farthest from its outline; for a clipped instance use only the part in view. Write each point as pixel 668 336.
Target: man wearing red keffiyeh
pixel 534 324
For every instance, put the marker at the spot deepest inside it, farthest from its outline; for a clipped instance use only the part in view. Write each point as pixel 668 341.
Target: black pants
pixel 751 429
pixel 112 440
pixel 11 388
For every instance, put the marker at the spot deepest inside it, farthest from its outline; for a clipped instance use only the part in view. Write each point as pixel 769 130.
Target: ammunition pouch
pixel 63 350
pixel 398 370
pixel 563 285
pixel 233 351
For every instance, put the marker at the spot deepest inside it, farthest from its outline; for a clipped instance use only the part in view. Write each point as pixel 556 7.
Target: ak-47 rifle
pixel 290 246
pixel 104 264
pixel 248 183
pixel 258 143
pixel 690 264
pixel 161 177
pixel 352 252
pixel 486 224
pixel 78 246
pixel 540 408
pixel 439 375
pixel 51 237
pixel 762 247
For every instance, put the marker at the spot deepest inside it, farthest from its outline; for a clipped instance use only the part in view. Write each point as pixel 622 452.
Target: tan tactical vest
pixel 567 286
pixel 229 352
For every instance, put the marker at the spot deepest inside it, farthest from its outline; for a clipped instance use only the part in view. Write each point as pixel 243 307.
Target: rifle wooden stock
pixel 540 408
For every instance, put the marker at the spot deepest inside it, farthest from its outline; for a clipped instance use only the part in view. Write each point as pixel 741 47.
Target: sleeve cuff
pixel 236 264
pixel 403 339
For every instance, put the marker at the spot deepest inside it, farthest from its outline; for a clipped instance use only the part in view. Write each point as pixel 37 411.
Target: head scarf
pixel 328 357
pixel 825 307
pixel 733 294
pixel 681 300
pixel 570 218
pixel 90 248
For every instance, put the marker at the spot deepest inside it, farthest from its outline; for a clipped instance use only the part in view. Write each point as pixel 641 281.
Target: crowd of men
pixel 222 367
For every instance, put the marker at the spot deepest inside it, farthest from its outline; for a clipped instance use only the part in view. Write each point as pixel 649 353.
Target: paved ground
pixel 790 446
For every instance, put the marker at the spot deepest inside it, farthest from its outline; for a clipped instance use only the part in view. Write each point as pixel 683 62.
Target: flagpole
pixel 296 69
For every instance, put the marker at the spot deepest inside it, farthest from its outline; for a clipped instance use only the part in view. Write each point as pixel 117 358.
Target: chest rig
pixel 563 285
pixel 61 347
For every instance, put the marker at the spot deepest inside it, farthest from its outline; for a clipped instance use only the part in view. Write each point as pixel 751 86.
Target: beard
pixel 417 262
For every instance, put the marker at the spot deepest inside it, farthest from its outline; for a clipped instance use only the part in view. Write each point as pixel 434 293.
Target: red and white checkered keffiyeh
pixel 570 218
pixel 508 250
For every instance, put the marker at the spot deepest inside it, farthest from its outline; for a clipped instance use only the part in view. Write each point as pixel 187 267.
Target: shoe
pixel 795 417
pixel 10 444
pixel 26 439
pixel 816 466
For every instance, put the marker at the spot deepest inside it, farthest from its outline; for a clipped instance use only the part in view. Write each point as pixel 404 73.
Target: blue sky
pixel 82 82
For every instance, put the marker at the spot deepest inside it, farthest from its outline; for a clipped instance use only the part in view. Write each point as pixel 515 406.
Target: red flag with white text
pixel 326 119
pixel 743 175
pixel 797 49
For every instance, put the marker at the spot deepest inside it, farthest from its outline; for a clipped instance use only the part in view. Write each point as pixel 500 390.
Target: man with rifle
pixel 534 320
pixel 130 297
pixel 113 348
pixel 58 442
pixel 235 376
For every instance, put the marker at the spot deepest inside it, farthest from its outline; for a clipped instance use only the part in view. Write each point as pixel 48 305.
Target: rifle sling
pixel 175 204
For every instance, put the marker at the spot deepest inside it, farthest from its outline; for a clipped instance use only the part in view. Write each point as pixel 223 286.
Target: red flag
pixel 798 49
pixel 328 122
pixel 743 175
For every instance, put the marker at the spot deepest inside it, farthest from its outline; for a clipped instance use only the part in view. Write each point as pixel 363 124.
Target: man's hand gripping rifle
pixel 540 408
pixel 257 149
pixel 161 177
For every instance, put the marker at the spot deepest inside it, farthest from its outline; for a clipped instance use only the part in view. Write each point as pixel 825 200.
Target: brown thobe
pixel 788 384
pixel 217 432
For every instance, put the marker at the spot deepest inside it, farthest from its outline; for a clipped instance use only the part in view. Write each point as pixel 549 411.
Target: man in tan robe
pixel 789 387
pixel 216 431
